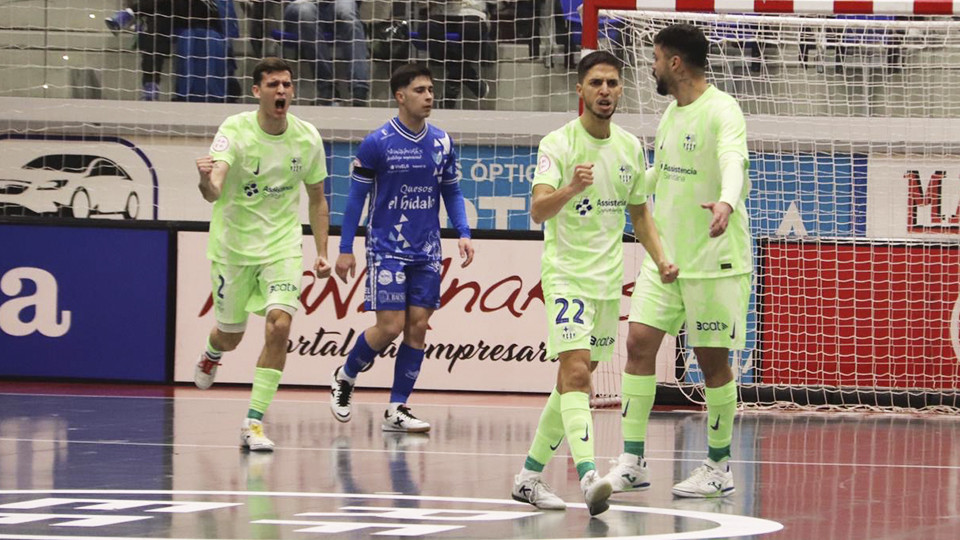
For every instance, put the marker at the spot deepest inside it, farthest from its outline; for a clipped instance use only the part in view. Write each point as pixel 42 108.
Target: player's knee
pixel 640 347
pixel 391 328
pixel 278 326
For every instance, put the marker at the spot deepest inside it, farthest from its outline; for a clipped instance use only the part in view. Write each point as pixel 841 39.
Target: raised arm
pixel 547 201
pixel 212 175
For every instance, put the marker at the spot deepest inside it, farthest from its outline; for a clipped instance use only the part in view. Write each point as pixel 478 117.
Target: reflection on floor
pixel 123 462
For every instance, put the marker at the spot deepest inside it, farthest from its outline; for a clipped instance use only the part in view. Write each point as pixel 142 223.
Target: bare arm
pixel 547 201
pixel 212 175
pixel 319 214
pixel 646 231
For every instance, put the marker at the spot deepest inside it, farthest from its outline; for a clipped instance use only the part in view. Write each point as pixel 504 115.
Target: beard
pixel 661 86
pixel 597 113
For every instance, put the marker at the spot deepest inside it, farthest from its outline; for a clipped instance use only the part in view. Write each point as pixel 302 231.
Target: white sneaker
pixel 252 437
pixel 341 392
pixel 708 480
pixel 596 491
pixel 403 420
pixel 535 491
pixel 629 474
pixel 205 372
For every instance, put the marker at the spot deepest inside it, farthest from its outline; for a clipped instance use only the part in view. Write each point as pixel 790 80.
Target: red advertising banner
pixel 875 316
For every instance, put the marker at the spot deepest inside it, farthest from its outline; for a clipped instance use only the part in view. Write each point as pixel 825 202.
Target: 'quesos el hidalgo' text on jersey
pixel 406 170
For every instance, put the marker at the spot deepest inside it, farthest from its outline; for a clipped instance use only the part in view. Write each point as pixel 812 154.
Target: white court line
pixel 495 454
pixel 325 391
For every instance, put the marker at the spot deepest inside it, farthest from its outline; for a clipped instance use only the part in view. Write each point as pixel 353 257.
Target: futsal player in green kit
pixel 699 181
pixel 589 174
pixel 252 176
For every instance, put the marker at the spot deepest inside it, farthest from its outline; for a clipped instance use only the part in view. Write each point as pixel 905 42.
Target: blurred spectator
pixel 315 23
pixel 457 34
pixel 258 13
pixel 161 20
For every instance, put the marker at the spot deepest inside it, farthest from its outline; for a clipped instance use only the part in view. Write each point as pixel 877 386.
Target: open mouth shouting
pixel 280 105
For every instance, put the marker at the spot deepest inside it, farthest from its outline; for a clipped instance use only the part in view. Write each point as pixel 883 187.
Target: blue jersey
pixel 405 170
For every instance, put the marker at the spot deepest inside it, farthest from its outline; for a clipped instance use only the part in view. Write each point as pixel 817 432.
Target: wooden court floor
pixel 95 462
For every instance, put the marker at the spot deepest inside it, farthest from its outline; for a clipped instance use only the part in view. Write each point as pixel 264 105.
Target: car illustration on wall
pixel 71 185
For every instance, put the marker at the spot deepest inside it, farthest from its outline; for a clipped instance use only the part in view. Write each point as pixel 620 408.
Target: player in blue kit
pixel 406 166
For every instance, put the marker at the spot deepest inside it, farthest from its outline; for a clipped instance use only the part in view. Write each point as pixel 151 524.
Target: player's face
pixel 275 92
pixel 601 91
pixel 661 70
pixel 417 97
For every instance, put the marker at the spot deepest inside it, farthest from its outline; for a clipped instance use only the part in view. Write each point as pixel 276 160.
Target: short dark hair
pixel 270 64
pixel 405 74
pixel 594 59
pixel 686 41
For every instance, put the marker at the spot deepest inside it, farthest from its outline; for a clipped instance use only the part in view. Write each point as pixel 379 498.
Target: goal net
pixel 855 158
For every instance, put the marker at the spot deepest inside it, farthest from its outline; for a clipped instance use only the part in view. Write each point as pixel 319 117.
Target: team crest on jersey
pixel 689 142
pixel 438 157
pixel 626 174
pixel 296 164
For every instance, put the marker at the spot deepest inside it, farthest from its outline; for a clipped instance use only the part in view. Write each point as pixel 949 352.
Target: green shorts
pixel 582 323
pixel 241 290
pixel 714 309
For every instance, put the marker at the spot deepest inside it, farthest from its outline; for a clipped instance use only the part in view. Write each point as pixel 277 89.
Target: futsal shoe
pixel 629 474
pixel 709 480
pixel 341 392
pixel 531 489
pixel 205 372
pixel 596 491
pixel 252 437
pixel 404 421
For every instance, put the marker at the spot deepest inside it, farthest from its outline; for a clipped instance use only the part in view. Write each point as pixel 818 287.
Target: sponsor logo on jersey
pixel 584 207
pixel 276 192
pixel 251 189
pixel 400 277
pixel 385 277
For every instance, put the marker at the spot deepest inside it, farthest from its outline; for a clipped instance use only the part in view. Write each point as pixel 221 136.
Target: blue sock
pixel 360 356
pixel 405 372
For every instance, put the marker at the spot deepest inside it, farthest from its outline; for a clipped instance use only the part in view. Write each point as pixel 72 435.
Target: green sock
pixel 265 384
pixel 721 407
pixel 549 435
pixel 578 427
pixel 639 392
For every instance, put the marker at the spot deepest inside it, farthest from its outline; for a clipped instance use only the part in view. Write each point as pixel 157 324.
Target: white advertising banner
pixel 488 335
pixel 913 198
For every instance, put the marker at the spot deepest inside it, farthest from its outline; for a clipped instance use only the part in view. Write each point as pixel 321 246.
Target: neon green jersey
pixel 583 243
pixel 256 220
pixel 686 173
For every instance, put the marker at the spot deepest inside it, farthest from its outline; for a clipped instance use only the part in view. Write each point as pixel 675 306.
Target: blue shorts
pixel 392 284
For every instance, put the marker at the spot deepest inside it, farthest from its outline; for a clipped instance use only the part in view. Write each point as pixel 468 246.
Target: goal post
pixel 851 111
